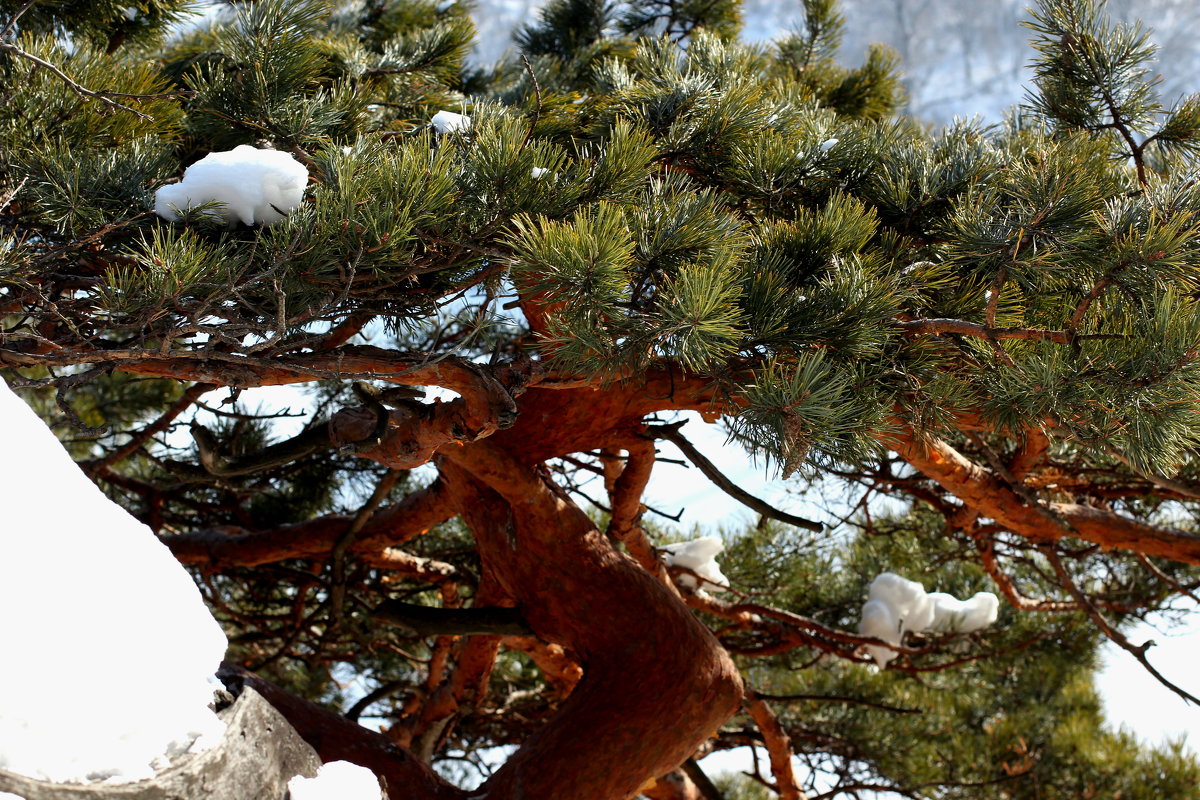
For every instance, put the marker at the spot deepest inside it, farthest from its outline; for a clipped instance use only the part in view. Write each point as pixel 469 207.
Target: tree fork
pixel 656 682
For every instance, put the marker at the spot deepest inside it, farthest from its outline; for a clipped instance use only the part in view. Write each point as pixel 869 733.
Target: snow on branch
pixel 698 556
pixel 245 184
pixel 896 606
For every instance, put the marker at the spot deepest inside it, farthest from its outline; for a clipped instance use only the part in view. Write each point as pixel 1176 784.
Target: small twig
pixel 671 433
pixel 186 400
pixel 83 91
pixel 1170 484
pixel 537 111
pixel 1114 635
pixel 8 27
pixel 1165 578
pixel 825 698
pixel 337 592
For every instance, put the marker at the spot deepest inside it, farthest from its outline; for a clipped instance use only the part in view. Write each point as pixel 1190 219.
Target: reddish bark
pixel 989 496
pixel 779 748
pixel 656 683
pixel 395 524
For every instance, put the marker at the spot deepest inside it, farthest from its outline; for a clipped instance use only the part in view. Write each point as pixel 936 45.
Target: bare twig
pixel 337 594
pixel 671 433
pixel 825 698
pixel 1114 635
pixel 537 93
pixel 81 90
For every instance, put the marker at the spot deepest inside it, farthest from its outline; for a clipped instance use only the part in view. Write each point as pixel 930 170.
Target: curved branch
pixel 986 493
pixel 652 671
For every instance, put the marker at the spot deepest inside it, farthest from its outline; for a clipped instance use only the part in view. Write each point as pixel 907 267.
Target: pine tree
pixel 994 329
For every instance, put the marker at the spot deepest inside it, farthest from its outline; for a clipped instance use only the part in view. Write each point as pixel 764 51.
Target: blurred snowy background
pixel 960 57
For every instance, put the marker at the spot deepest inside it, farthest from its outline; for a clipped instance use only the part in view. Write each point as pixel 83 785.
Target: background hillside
pixel 959 58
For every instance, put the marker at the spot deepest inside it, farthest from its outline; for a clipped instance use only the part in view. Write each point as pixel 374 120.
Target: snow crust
pixel 255 186
pixel 108 648
pixel 337 780
pixel 449 122
pixel 896 605
pixel 698 555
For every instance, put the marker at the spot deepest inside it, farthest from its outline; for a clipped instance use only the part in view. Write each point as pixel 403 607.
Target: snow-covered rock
pixel 449 122
pixel 254 186
pixel 896 605
pixel 108 648
pixel 698 555
pixel 337 780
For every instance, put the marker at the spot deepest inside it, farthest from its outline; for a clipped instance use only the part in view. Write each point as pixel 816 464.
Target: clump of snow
pixel 254 186
pixel 538 172
pixel 698 555
pixel 963 616
pixel 896 606
pixel 449 122
pixel 827 145
pixel 337 780
pixel 108 647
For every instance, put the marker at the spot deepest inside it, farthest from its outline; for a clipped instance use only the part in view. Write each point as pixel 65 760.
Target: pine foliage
pixel 673 201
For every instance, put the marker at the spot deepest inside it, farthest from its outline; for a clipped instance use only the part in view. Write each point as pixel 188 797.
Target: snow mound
pixel 108 647
pixel 449 122
pixel 255 186
pixel 698 555
pixel 896 606
pixel 337 780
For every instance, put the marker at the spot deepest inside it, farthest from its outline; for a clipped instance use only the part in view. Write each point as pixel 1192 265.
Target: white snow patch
pixel 337 780
pixel 698 555
pixel 896 606
pixel 254 186
pixel 449 122
pixel 538 172
pixel 108 645
pixel 827 145
pixel 963 616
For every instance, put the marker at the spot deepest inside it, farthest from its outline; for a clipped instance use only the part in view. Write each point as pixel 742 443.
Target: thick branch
pixel 990 496
pixel 652 672
pixel 430 621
